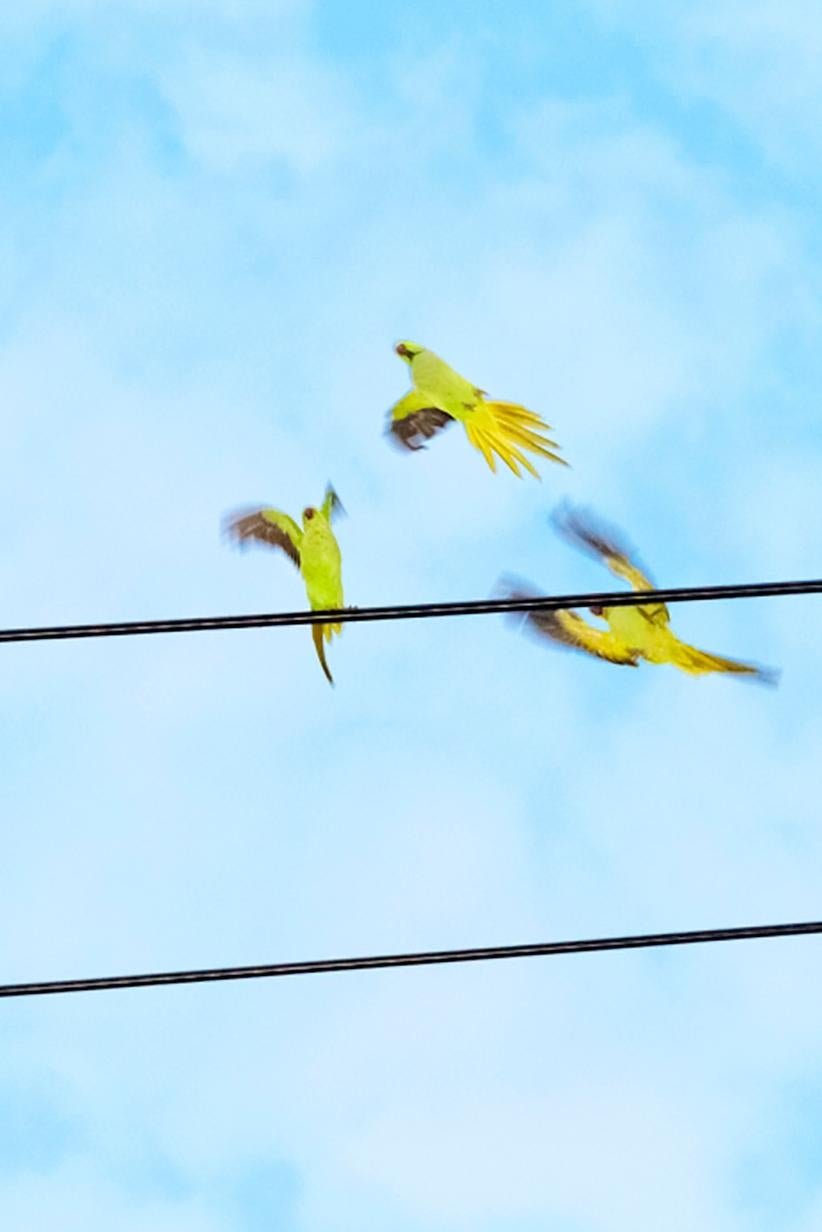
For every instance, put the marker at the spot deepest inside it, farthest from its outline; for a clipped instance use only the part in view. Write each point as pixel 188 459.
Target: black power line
pixel 428 958
pixel 416 611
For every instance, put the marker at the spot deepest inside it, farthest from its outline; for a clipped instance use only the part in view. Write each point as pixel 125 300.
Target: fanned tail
pixel 318 632
pixel 698 662
pixel 505 429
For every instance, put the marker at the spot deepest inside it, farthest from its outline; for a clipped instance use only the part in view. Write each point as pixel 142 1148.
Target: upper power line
pixel 416 611
pixel 426 958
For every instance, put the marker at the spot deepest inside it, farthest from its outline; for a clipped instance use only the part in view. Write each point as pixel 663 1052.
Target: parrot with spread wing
pixel 314 550
pixel 440 395
pixel 633 633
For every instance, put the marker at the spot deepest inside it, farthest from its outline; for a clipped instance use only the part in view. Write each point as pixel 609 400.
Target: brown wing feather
pixel 586 531
pixel 255 525
pixel 567 627
pixel 419 426
pixel 572 630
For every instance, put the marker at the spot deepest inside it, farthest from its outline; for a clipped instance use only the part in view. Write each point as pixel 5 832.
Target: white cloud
pixel 757 60
pixel 233 115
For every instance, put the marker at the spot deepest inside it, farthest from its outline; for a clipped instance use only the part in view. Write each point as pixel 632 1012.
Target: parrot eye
pixel 402 349
pixel 309 513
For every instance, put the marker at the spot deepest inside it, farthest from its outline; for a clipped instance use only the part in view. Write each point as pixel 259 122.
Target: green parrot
pixel 440 395
pixel 314 550
pixel 633 633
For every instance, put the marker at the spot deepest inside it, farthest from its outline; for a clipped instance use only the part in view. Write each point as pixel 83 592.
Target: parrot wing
pixel 584 530
pixel 332 506
pixel 268 526
pixel 414 419
pixel 568 628
pixel 572 630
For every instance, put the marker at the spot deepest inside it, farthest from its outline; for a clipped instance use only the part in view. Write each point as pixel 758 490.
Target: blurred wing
pixel 567 627
pixel 570 629
pixel 332 505
pixel 268 526
pixel 585 531
pixel 413 420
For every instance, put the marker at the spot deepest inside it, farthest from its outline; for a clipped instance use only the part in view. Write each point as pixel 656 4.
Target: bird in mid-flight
pixel 633 633
pixel 314 550
pixel 440 395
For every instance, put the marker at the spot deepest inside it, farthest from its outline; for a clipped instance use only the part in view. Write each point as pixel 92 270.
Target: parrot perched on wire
pixel 440 395
pixel 633 633
pixel 314 550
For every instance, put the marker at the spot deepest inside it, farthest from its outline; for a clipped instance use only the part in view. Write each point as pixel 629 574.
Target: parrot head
pixel 408 350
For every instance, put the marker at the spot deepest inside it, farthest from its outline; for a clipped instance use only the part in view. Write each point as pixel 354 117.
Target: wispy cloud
pixel 757 63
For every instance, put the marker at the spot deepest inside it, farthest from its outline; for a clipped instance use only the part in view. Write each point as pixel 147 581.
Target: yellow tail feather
pixel 317 633
pixel 478 440
pixel 515 411
pixel 698 662
pixel 490 442
pixel 530 440
pixel 505 429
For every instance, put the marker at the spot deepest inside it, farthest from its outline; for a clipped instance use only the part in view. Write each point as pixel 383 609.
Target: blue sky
pixel 216 219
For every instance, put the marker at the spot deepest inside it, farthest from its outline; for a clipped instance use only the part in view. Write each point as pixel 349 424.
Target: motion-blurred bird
pixel 633 633
pixel 314 550
pixel 440 395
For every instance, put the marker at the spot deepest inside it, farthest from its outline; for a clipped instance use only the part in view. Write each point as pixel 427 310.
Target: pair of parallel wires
pixel 415 611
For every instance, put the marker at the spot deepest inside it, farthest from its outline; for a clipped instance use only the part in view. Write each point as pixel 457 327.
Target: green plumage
pixel 634 632
pixel 435 378
pixel 314 550
pixel 499 430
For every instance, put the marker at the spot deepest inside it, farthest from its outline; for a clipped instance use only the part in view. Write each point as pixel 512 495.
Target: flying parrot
pixel 633 633
pixel 314 550
pixel 440 395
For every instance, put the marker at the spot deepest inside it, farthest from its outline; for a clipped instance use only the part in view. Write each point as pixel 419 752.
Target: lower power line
pixel 427 958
